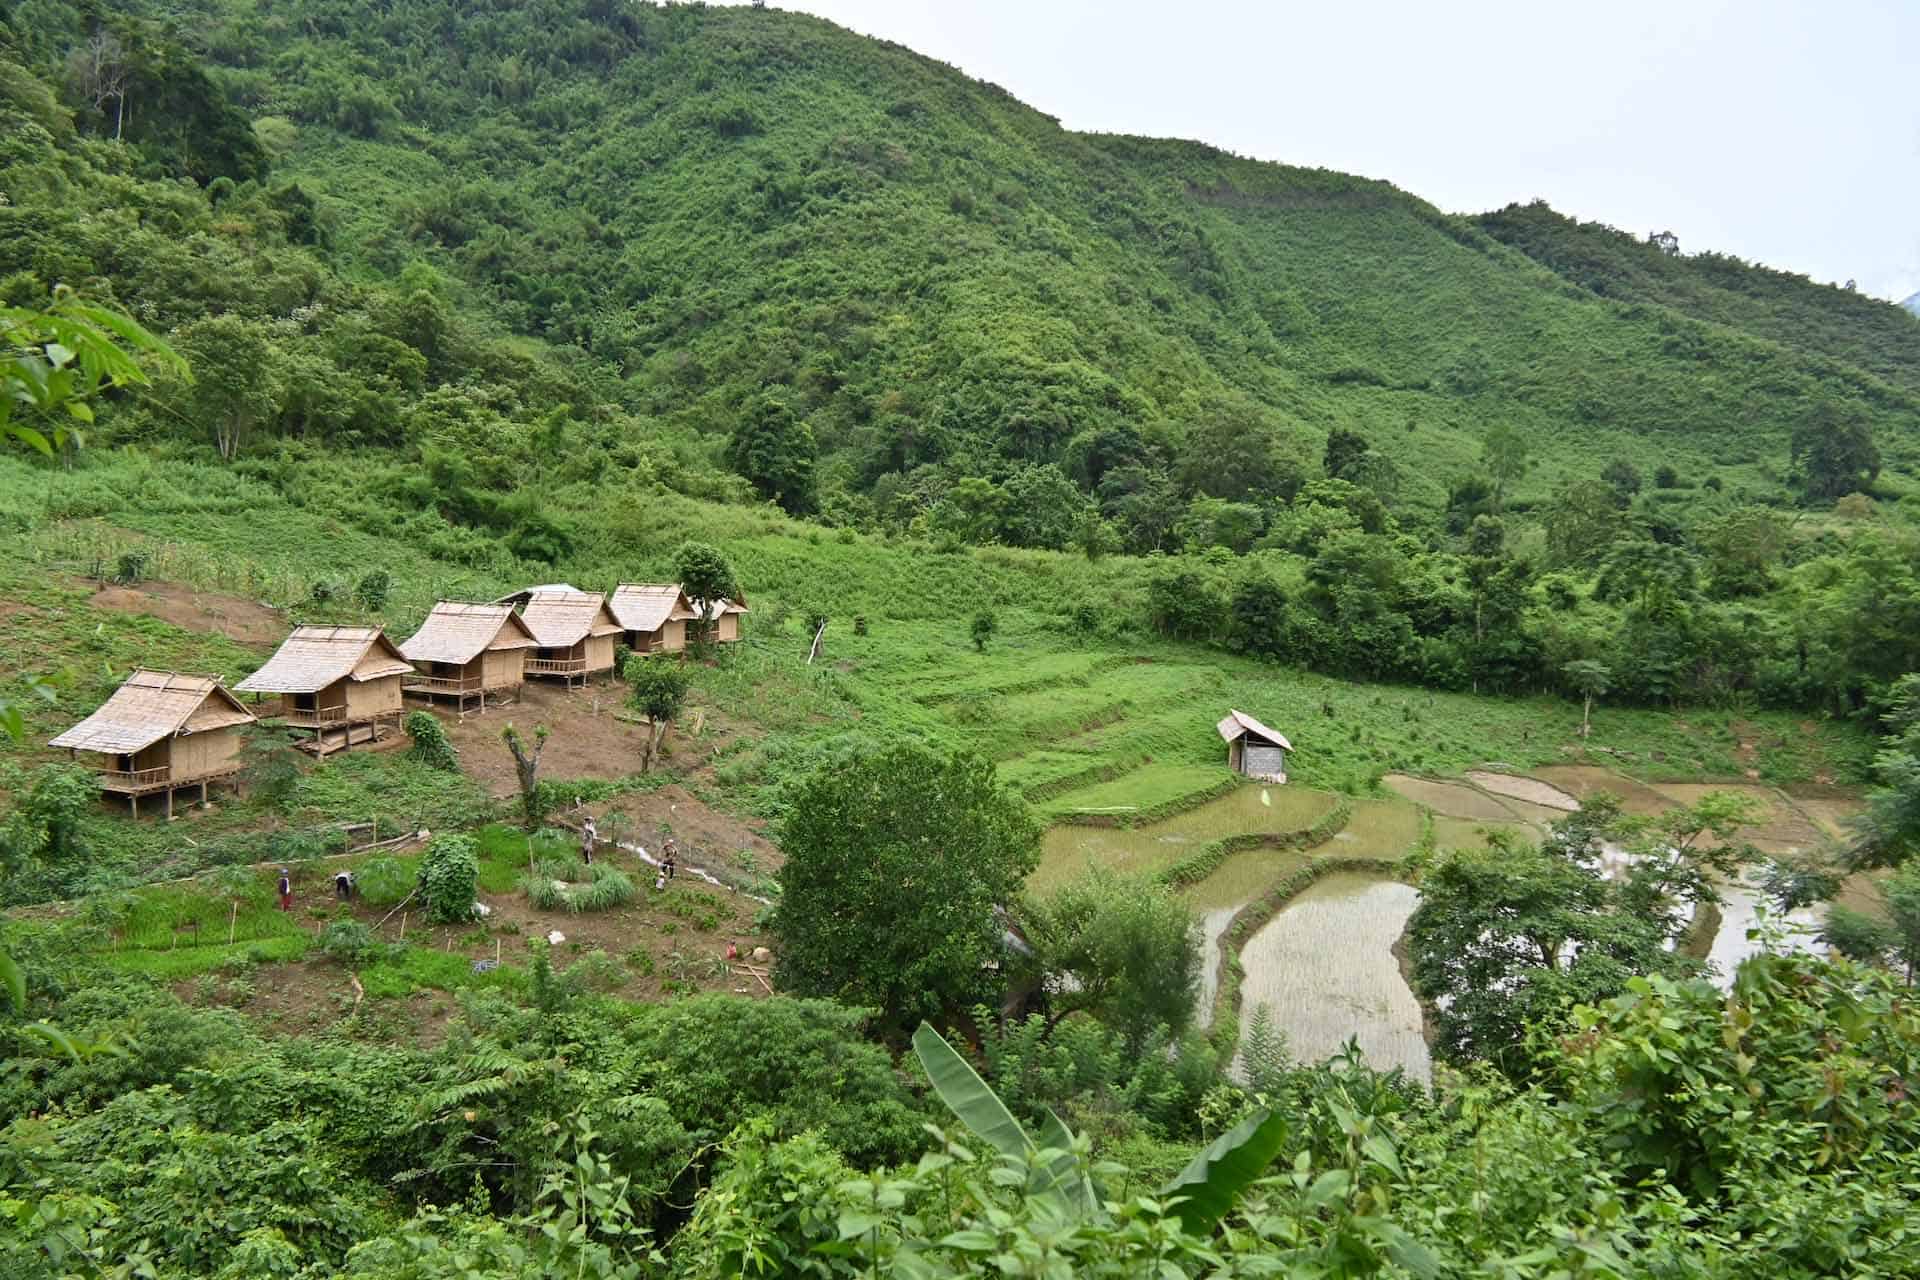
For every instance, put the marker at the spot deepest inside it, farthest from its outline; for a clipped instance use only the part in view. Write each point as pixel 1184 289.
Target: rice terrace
pixel 659 641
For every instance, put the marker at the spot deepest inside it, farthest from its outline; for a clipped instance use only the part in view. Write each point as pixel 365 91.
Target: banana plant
pixel 1202 1193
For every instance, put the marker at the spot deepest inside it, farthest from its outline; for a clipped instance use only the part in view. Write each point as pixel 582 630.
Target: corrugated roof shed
pixel 314 657
pixel 642 606
pixel 562 619
pixel 151 705
pixel 1239 723
pixel 459 633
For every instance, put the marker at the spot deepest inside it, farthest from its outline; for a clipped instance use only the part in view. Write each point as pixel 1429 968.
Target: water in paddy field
pixel 1324 968
pixel 1739 912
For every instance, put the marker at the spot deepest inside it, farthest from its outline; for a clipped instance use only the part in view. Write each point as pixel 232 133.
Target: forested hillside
pixel 738 216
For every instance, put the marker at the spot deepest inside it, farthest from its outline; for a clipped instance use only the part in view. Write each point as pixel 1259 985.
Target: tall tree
pixel 1505 457
pixel 233 391
pixel 1833 452
pixel 707 578
pixel 1590 679
pixel 1123 948
pixel 897 863
pixel 775 451
pixel 657 689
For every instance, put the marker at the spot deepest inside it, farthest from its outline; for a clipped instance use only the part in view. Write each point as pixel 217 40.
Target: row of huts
pixel 161 732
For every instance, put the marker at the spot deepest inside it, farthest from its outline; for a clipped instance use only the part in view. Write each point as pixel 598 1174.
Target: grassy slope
pixel 1045 703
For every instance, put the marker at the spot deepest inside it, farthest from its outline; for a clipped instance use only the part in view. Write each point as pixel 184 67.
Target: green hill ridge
pixel 719 207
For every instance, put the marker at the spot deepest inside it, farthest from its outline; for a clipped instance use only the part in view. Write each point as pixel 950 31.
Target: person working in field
pixel 286 890
pixel 588 834
pixel 669 858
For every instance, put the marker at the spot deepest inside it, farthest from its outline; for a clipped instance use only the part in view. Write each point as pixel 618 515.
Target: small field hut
pixel 726 619
pixel 344 683
pixel 161 732
pixel 576 632
pixel 654 616
pixel 468 651
pixel 1253 749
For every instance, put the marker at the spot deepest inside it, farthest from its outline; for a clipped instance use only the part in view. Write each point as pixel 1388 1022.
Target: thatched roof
pixel 1239 724
pixel 151 705
pixel 721 606
pixel 641 606
pixel 459 633
pixel 314 657
pixel 562 619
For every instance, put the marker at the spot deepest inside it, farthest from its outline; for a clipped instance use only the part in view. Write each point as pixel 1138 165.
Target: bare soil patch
pixel 591 736
pixel 588 739
pixel 243 621
pixel 1532 790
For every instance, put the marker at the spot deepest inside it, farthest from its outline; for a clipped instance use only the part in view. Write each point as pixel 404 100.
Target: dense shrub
pixel 449 873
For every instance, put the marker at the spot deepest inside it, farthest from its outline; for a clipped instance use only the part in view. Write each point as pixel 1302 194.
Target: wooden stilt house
pixel 725 616
pixel 1253 749
pixel 466 652
pixel 344 683
pixel 159 733
pixel 653 616
pixel 576 632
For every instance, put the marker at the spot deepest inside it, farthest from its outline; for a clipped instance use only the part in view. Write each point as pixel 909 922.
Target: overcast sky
pixel 1784 132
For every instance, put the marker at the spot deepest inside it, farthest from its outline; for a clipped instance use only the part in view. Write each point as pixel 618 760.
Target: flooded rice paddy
pixel 1324 969
pixel 1324 966
pixel 1066 850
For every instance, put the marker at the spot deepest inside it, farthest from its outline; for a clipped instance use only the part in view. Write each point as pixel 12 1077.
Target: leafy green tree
pixel 775 451
pixel 1582 521
pixel 372 590
pixel 1125 949
pixel 1741 547
pixel 1887 833
pixel 981 629
pixel 1623 478
pixel 1259 612
pixel 1044 509
pixel 46 827
pixel 898 861
pixel 271 767
pixel 1833 452
pixel 1590 679
pixel 1506 459
pixel 707 578
pixel 233 390
pixel 657 689
pixel 1344 449
pixel 1511 939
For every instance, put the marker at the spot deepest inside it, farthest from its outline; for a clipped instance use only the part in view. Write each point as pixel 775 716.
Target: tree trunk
pixel 1586 718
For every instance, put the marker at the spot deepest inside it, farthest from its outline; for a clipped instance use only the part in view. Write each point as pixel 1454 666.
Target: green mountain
pixel 738 215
